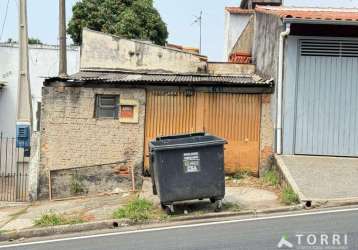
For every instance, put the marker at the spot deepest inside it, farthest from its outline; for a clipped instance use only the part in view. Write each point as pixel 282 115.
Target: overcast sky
pixel 178 14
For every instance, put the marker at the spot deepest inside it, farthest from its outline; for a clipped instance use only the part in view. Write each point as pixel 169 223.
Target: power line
pixel 3 24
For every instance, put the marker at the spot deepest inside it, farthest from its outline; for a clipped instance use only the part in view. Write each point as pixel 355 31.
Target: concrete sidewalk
pixel 101 208
pixel 89 209
pixel 246 198
pixel 321 179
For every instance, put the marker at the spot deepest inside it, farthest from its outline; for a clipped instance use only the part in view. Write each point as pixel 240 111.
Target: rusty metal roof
pixel 161 78
pixel 318 14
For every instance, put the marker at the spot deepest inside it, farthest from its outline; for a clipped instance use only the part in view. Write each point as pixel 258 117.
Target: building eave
pixel 320 21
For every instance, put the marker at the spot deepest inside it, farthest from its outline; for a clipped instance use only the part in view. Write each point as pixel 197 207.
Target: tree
pixel 136 19
pixel 10 40
pixel 34 41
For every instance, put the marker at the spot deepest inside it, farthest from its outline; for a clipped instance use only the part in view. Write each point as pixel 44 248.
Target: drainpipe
pixel 283 35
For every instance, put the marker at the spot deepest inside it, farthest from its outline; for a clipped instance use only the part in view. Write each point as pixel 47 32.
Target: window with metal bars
pixel 107 106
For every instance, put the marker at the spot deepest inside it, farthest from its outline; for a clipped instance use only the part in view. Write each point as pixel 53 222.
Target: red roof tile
pixel 310 13
pixel 238 10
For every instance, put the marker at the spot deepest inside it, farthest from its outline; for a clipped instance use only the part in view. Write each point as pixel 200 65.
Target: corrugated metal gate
pixel 235 117
pixel 327 103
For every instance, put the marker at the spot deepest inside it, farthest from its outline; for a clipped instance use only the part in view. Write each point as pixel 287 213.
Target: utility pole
pixel 62 30
pixel 199 20
pixel 24 102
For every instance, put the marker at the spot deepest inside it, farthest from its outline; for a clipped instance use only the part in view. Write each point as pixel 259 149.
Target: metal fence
pixel 13 171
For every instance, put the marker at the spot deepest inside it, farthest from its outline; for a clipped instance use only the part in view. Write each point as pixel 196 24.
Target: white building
pixel 237 18
pixel 43 63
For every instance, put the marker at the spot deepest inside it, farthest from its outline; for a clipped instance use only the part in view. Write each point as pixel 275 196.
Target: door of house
pixel 235 117
pixel 327 103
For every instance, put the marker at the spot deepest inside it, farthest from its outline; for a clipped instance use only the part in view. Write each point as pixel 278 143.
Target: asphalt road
pixel 260 233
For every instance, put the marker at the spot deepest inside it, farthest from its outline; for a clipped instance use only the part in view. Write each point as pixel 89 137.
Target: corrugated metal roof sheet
pixel 161 78
pixel 327 14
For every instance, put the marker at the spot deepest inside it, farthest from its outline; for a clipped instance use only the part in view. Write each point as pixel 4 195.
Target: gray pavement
pixel 247 198
pixel 256 233
pixel 318 178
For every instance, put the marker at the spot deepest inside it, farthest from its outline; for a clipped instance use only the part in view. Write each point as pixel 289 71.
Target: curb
pixel 240 213
pixel 333 203
pixel 112 224
pixel 63 229
pixel 289 179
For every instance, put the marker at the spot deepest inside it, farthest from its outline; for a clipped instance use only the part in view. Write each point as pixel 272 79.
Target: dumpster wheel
pixel 169 209
pixel 218 205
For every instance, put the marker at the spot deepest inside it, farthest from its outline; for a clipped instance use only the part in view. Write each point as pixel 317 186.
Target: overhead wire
pixel 5 17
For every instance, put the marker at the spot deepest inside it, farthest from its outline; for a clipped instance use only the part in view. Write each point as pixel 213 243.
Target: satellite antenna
pixel 199 19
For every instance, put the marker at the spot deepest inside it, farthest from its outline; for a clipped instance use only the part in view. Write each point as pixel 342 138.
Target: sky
pixel 178 14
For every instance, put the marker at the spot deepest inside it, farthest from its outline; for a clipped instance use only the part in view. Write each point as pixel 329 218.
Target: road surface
pixel 253 233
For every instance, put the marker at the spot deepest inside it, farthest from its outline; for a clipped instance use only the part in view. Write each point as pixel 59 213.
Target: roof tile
pixel 238 10
pixel 310 13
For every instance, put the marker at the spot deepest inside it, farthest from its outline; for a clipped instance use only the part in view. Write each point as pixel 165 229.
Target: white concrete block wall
pixel 43 63
pixel 104 51
pixel 234 26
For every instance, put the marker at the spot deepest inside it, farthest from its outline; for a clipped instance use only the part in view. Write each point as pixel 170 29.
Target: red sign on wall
pixel 127 111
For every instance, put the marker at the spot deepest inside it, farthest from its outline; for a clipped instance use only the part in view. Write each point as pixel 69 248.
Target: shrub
pixel 138 210
pixel 53 219
pixel 271 177
pixel 289 197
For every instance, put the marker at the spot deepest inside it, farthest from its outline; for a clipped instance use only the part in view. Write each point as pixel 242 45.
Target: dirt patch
pixel 253 182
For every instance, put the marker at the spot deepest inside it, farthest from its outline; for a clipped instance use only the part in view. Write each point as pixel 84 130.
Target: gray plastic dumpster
pixel 188 167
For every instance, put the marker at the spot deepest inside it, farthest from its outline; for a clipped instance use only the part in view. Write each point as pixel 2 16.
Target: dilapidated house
pixel 96 124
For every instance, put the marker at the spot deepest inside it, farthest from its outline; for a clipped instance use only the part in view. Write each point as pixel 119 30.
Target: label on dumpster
pixel 191 162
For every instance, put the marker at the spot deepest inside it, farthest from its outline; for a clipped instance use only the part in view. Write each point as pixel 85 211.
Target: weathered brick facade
pixel 266 134
pixel 72 137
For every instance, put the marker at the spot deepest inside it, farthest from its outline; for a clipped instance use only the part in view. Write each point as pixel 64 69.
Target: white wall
pixel 43 61
pixel 104 51
pixel 322 3
pixel 234 26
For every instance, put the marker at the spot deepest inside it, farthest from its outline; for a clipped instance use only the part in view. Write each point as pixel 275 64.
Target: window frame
pixel 99 106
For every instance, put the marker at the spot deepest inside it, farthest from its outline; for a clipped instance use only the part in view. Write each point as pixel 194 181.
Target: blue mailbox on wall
pixel 23 136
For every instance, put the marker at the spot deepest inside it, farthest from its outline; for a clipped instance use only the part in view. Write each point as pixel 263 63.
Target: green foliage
pixel 10 40
pixel 53 219
pixel 136 19
pixel 34 41
pixel 229 206
pixel 240 175
pixel 271 177
pixel 138 210
pixel 289 197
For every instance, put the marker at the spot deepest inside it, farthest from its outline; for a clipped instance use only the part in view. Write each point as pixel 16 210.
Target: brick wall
pixel 266 134
pixel 71 137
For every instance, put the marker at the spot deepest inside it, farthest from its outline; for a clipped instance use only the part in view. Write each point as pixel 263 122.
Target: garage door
pixel 235 117
pixel 327 98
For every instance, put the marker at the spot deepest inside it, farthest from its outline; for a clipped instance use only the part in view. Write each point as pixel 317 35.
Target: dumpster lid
pixel 186 141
